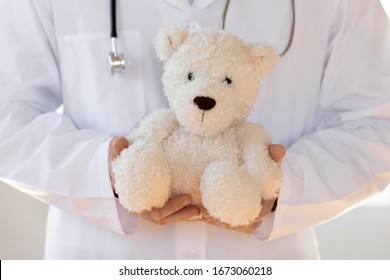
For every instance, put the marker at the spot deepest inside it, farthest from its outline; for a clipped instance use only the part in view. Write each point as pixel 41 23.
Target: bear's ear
pixel 168 40
pixel 264 57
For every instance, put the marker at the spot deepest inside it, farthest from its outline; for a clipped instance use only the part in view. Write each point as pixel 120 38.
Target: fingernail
pixel 185 202
pixel 196 215
pixel 156 215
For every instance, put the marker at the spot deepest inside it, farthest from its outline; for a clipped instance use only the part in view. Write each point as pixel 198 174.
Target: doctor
pixel 327 102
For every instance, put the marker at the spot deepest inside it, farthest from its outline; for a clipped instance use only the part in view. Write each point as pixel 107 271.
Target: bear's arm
pixel 155 127
pixel 254 142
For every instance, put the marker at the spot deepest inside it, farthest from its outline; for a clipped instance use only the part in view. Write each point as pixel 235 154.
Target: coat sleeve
pixel 347 158
pixel 43 153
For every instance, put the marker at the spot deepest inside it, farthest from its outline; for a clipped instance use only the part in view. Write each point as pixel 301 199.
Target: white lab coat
pixel 328 102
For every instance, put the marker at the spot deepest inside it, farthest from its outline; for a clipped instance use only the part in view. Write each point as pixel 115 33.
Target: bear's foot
pixel 142 177
pixel 230 194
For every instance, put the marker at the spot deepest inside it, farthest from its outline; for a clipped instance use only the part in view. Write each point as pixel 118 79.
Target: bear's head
pixel 211 78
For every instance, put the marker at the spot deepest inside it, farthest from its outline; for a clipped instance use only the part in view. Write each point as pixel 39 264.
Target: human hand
pixel 277 153
pixel 177 209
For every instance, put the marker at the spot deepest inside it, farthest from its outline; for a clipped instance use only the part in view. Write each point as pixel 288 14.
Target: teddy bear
pixel 202 145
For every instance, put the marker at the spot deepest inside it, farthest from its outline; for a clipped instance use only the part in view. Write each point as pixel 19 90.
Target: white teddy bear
pixel 202 145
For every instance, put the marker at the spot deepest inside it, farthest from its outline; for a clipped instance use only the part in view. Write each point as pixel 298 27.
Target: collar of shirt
pixel 190 6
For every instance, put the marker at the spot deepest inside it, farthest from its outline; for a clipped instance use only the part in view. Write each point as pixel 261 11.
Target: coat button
pixel 193 26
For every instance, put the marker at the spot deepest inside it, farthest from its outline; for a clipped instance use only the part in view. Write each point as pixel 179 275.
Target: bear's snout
pixel 204 103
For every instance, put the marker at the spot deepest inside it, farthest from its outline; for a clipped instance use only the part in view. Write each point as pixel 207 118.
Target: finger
pixel 277 152
pixel 206 217
pixel 266 208
pixel 172 206
pixel 248 229
pixel 183 215
pixel 117 144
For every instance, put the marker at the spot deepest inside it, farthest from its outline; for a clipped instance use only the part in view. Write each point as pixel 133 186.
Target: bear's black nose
pixel 204 103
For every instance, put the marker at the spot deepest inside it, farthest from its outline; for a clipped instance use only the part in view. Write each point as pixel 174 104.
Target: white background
pixel 363 233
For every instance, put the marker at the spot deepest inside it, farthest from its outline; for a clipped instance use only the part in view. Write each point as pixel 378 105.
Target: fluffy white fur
pixel 213 155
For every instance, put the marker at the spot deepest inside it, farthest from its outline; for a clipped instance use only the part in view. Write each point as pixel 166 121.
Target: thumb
pixel 277 152
pixel 118 144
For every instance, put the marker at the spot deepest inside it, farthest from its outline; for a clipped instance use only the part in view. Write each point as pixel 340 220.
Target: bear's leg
pixel 142 177
pixel 230 194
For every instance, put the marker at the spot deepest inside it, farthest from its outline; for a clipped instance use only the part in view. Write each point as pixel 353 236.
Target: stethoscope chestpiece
pixel 116 61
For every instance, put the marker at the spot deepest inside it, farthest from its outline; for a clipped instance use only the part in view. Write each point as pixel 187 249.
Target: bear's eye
pixel 190 76
pixel 227 80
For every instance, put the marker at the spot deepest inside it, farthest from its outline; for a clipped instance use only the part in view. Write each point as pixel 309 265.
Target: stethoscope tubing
pixel 117 62
pixel 113 33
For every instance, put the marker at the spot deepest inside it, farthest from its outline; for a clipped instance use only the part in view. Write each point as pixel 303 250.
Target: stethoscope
pixel 117 62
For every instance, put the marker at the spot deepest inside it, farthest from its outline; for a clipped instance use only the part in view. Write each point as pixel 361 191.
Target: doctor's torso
pixel 95 99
